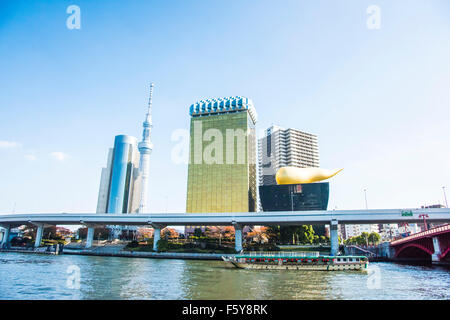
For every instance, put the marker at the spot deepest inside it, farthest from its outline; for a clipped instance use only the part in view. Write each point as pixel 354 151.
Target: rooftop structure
pixel 223 105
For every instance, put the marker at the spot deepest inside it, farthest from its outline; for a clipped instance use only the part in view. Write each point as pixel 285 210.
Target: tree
pixel 273 234
pixel 306 234
pixel 51 233
pixel 374 238
pixel 63 232
pixel 162 245
pixel 198 233
pixel 101 233
pixel 316 239
pixel 145 233
pixel 291 234
pixel 365 238
pixel 258 234
pixel 169 233
pixel 30 232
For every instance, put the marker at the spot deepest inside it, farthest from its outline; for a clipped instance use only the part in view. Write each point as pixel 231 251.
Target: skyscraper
pixel 120 182
pixel 285 147
pixel 289 148
pixel 222 162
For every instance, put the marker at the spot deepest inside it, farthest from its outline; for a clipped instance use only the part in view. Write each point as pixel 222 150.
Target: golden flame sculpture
pixel 294 175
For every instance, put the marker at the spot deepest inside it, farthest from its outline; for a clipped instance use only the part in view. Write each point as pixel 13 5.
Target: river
pixel 32 276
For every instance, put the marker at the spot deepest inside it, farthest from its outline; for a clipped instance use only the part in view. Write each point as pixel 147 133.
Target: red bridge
pixel 433 244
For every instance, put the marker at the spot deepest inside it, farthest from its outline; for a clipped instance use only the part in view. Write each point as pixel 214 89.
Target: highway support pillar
pixel 156 235
pixel 39 234
pixel 237 237
pixel 89 237
pixel 156 238
pixel 436 256
pixel 334 240
pixel 5 240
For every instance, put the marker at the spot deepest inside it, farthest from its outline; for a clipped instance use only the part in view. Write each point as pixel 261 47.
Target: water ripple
pixel 27 276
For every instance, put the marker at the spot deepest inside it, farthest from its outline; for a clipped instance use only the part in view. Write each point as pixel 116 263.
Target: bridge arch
pixel 446 254
pixel 414 249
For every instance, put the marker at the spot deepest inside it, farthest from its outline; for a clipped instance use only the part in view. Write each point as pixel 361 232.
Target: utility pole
pixel 365 197
pixel 424 216
pixel 445 197
pixel 292 200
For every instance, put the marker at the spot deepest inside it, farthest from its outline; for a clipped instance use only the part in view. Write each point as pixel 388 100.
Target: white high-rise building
pixel 354 230
pixel 285 147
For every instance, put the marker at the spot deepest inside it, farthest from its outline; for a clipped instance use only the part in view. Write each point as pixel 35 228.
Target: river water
pixel 31 276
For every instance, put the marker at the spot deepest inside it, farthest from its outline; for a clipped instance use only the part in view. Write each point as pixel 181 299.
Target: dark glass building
pixel 295 197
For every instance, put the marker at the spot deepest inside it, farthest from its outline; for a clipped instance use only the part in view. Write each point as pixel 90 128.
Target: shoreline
pixel 148 255
pixel 151 255
pixel 181 255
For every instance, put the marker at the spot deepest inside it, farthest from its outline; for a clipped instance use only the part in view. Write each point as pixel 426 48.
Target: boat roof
pixel 295 257
pixel 290 255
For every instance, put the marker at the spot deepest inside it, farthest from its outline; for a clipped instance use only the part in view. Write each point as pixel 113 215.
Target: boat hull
pixel 356 266
pixel 308 265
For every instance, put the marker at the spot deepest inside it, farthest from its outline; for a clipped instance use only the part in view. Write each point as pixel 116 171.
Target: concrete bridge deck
pixel 285 218
pixel 438 215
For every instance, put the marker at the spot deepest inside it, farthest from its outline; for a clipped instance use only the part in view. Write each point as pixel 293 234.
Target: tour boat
pixel 296 261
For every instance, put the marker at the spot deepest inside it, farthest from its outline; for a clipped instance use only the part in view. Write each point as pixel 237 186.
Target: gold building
pixel 222 161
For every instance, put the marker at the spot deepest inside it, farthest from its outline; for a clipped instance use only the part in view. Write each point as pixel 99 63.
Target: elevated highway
pixel 285 218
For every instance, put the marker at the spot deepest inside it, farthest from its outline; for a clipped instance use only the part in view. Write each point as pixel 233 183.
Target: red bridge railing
pixel 433 231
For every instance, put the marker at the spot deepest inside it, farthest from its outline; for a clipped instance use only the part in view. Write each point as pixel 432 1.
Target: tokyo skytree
pixel 145 148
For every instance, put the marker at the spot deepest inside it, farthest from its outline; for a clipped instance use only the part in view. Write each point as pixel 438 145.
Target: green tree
pixel 374 238
pixel 198 232
pixel 163 245
pixel 365 238
pixel 306 234
pixel 99 233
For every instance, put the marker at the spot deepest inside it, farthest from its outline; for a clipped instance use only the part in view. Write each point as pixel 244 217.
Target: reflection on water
pixel 28 276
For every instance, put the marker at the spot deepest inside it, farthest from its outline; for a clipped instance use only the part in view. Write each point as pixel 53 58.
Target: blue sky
pixel 377 99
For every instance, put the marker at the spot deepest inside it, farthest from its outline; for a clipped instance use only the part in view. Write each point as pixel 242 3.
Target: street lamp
pixel 292 197
pixel 445 197
pixel 365 197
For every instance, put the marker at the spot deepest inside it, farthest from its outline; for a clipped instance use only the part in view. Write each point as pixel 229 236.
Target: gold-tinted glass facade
pixel 222 163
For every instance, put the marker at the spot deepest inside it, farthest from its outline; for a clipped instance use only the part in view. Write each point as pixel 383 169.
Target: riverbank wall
pixel 153 255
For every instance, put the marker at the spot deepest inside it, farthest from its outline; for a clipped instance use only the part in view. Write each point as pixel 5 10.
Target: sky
pixel 378 99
